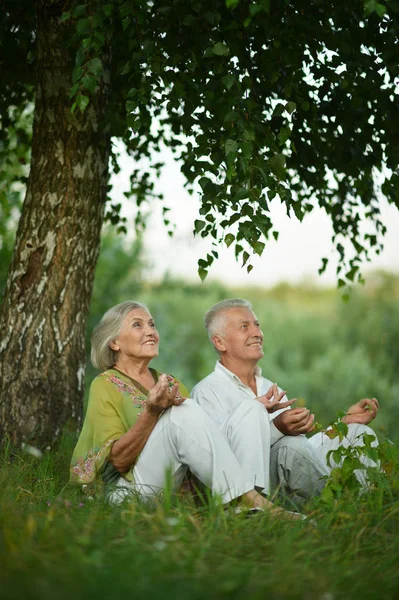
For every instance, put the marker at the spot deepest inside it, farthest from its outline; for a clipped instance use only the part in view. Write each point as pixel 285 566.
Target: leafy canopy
pixel 258 99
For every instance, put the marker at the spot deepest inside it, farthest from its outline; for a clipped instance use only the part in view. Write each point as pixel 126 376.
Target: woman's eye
pixel 136 324
pixel 152 325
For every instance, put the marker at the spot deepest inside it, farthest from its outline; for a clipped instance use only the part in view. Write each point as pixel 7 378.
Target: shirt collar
pixel 221 369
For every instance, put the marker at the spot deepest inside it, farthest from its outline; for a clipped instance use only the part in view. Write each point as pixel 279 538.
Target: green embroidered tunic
pixel 115 403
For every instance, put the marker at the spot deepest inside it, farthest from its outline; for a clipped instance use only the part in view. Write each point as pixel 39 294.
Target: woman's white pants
pixel 185 437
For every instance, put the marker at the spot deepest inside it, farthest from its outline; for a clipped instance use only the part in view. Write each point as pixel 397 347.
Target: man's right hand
pixel 295 421
pixel 272 399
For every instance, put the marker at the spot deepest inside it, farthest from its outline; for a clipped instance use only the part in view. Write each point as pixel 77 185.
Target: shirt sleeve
pixel 102 426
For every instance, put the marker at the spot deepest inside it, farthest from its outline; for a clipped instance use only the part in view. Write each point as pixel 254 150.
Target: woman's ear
pixel 113 344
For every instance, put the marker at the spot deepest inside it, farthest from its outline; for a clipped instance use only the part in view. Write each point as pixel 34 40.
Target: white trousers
pixel 247 430
pixel 290 465
pixel 185 437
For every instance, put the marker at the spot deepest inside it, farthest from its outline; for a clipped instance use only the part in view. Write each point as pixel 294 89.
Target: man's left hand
pixel 362 412
pixel 295 421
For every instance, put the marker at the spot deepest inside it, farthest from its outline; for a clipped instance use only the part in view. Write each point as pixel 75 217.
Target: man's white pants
pixel 185 437
pixel 290 465
pixel 247 430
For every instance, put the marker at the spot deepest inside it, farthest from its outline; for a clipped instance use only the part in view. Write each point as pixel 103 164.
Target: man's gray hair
pixel 215 317
pixel 102 356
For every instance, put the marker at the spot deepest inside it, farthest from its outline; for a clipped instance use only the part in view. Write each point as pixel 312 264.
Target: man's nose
pixel 256 330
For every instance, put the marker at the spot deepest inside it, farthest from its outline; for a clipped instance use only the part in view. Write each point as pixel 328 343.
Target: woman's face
pixel 138 337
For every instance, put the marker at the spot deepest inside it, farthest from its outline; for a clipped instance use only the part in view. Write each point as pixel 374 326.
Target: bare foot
pixel 257 502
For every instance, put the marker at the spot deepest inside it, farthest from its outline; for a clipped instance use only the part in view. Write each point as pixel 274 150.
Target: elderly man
pixel 236 395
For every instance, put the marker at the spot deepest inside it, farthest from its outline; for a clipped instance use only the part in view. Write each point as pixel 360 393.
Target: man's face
pixel 241 337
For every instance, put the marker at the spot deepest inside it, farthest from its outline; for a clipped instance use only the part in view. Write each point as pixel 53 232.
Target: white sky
pixel 296 255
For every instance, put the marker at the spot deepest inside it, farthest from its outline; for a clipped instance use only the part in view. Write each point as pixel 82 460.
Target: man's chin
pixel 256 353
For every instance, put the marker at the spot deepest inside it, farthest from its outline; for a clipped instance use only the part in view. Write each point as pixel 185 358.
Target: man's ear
pixel 113 344
pixel 218 342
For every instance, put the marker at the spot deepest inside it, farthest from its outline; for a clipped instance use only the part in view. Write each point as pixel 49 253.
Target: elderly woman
pixel 140 425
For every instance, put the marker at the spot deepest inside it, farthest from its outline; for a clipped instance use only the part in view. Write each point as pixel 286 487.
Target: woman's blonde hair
pixel 102 356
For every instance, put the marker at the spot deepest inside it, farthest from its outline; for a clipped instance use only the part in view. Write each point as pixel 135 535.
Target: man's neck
pixel 243 370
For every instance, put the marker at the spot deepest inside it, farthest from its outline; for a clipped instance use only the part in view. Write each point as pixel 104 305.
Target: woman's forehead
pixel 138 313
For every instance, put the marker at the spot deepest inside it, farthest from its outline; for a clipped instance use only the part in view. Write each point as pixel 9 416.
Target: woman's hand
pixel 362 412
pixel 162 396
pixel 272 399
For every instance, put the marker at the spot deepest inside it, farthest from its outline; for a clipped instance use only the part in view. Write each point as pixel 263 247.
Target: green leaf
pixel 277 165
pixel 229 239
pixel 95 66
pixel 202 273
pixel 278 110
pixel 283 135
pixel 323 266
pixel 249 268
pixel 374 6
pixel 245 257
pixel 274 77
pixel 290 107
pixel 108 8
pixel 82 101
pixel 198 225
pixel 259 247
pixel 249 134
pixel 232 3
pixel 231 116
pixel 220 49
pixel 228 81
pixel 89 82
pixel 204 182
pixel 254 9
pixel 65 17
pixel 230 147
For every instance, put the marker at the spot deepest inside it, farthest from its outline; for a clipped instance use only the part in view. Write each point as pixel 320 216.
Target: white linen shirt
pixel 221 392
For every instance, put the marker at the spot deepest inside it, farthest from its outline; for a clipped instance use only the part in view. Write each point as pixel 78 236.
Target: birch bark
pixel 44 311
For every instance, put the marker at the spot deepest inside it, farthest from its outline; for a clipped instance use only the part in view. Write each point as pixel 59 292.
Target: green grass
pixel 54 543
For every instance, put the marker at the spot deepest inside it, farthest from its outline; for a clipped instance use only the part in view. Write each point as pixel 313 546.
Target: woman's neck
pixel 139 371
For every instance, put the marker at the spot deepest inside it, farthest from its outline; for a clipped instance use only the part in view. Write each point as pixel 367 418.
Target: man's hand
pixel 162 397
pixel 362 412
pixel 272 399
pixel 295 421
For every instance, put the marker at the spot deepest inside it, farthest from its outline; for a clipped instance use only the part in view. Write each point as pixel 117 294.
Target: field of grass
pixel 55 543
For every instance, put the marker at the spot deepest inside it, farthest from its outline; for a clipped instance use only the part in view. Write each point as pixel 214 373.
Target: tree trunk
pixel 43 318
